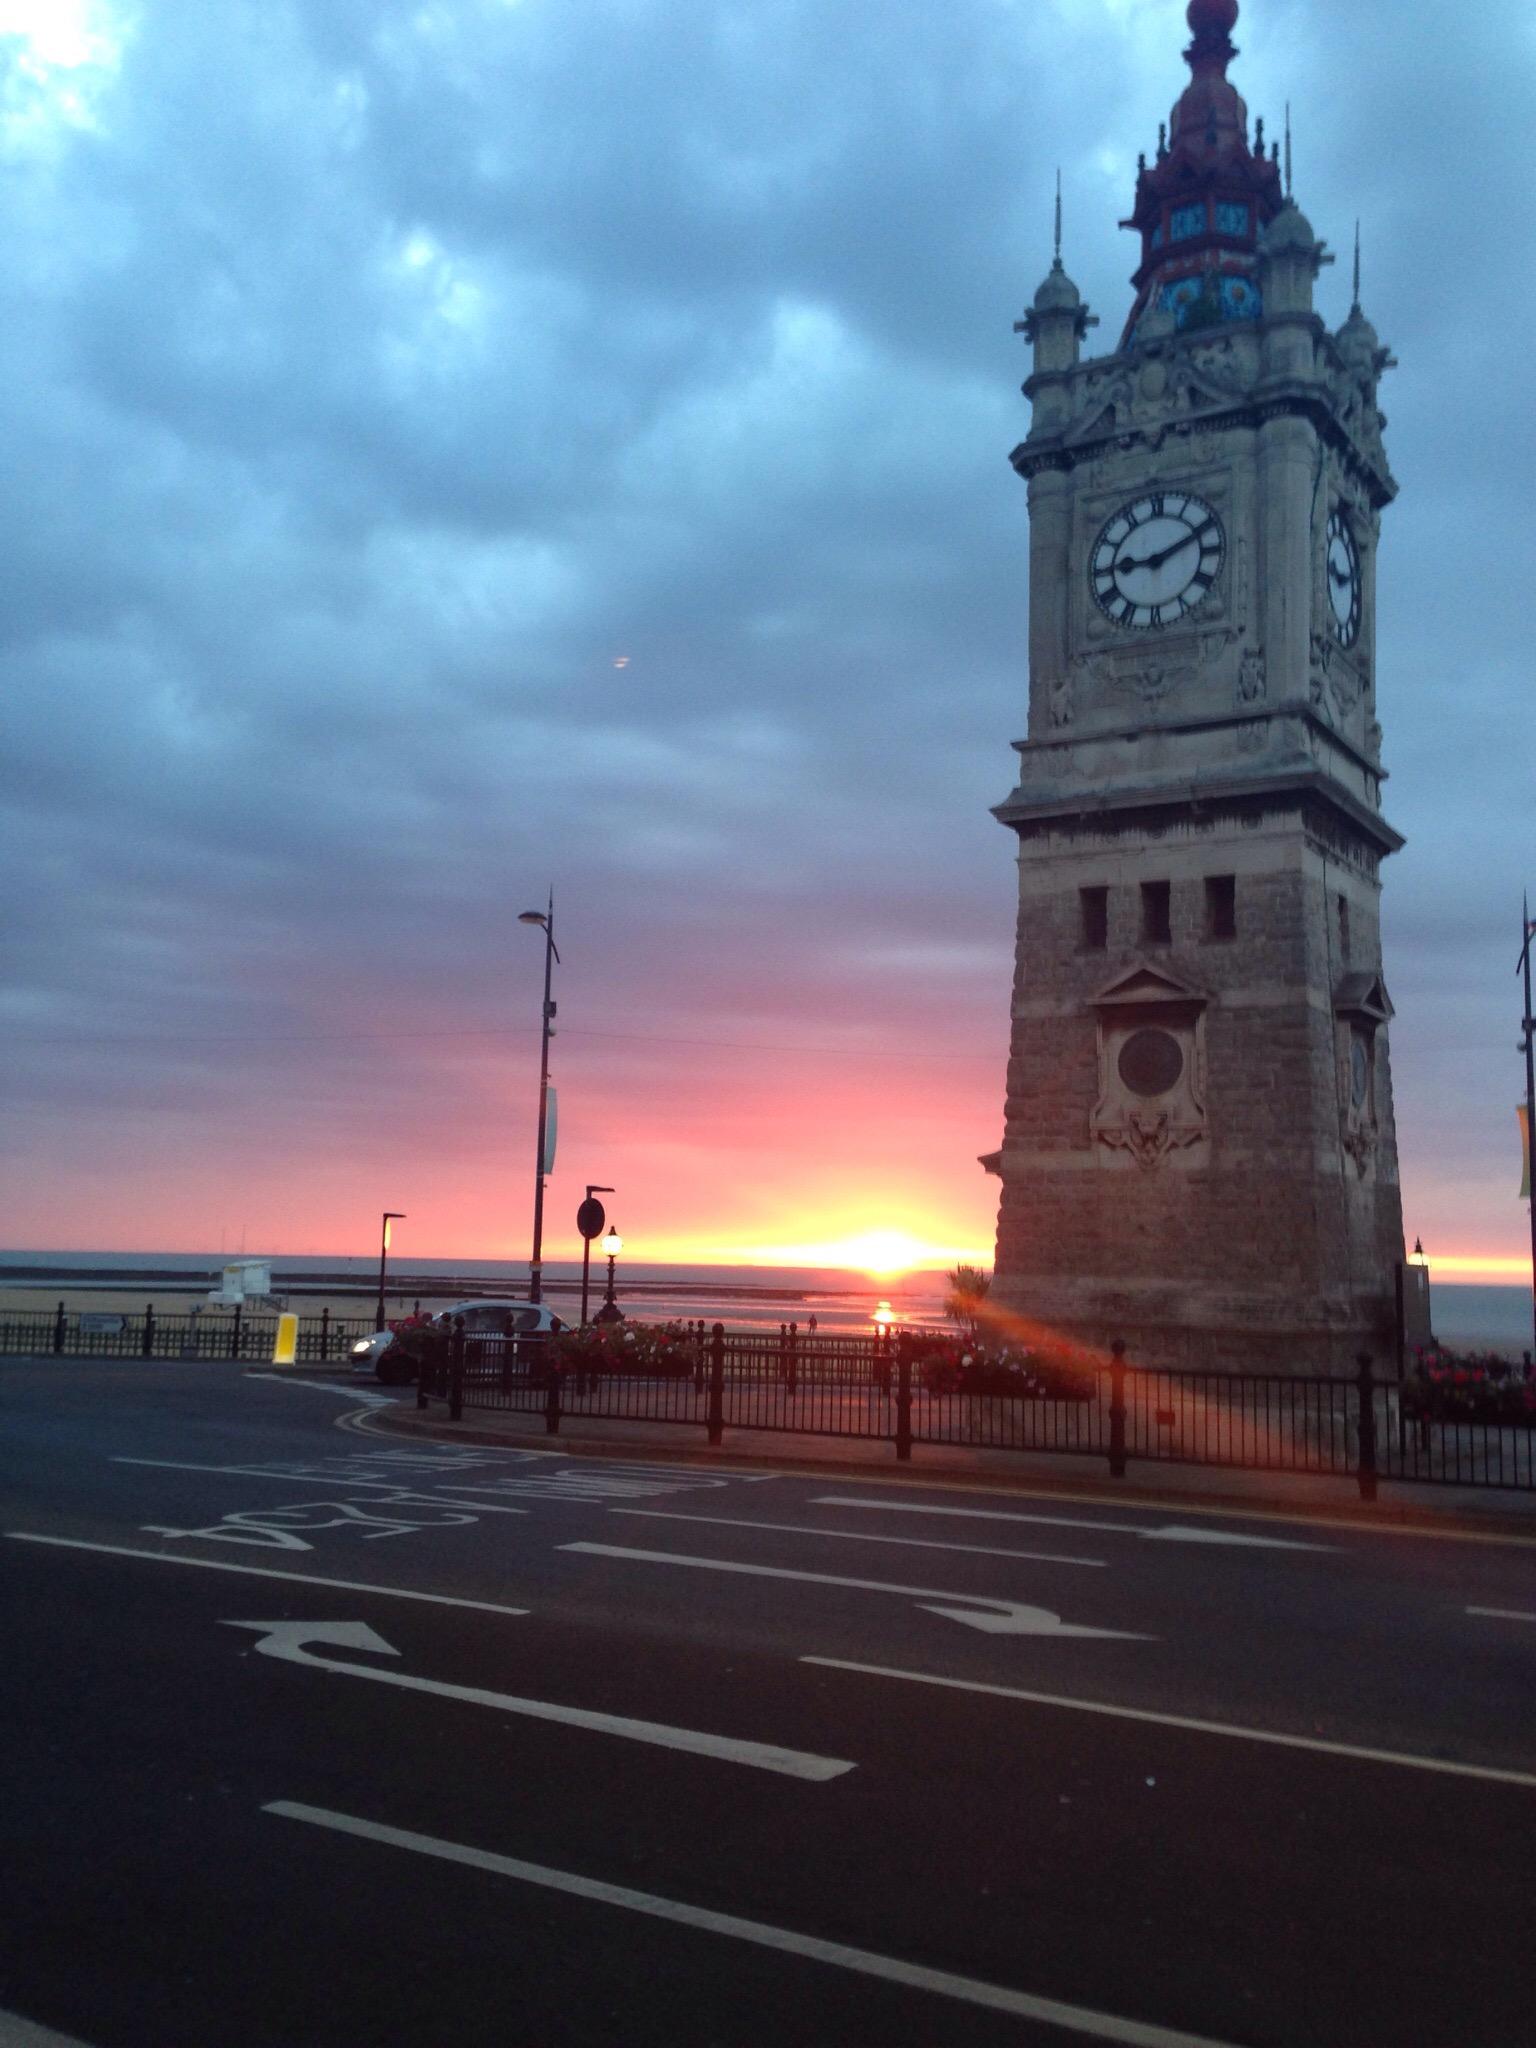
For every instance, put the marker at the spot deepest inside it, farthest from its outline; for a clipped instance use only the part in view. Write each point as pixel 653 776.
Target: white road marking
pixel 996 1617
pixel 260 1571
pixel 579 1486
pixel 1052 2012
pixel 286 1640
pixel 352 1393
pixel 1355 1751
pixel 858 1536
pixel 1501 1613
pixel 15 2032
pixel 1171 1532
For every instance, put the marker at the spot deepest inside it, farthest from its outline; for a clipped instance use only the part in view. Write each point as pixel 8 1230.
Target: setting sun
pixel 882 1253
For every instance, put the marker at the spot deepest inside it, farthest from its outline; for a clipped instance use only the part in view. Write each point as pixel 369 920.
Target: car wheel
pixel 396 1369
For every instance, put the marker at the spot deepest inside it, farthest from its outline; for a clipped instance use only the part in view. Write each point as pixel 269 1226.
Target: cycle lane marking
pixel 1501 1614
pixel 1356 1752
pixel 859 1536
pixel 259 1571
pixel 1075 2019
pixel 982 1611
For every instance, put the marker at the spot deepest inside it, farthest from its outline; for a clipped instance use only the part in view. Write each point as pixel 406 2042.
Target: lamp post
pixel 610 1312
pixel 545 919
pixel 390 1216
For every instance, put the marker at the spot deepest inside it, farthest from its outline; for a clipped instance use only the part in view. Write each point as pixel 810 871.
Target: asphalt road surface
pixel 315 1736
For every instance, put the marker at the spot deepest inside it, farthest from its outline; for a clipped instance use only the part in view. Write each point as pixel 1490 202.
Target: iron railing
pixel 37 1333
pixel 878 1388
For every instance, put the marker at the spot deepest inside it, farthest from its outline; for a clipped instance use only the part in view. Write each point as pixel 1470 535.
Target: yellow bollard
pixel 284 1350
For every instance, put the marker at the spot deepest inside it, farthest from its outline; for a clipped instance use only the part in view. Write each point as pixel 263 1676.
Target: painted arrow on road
pixel 287 1641
pixel 994 1617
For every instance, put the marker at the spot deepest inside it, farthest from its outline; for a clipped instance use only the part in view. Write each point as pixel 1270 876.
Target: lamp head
pixel 613 1244
pixel 531 917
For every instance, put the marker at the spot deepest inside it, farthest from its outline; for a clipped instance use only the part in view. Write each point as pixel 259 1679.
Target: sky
pixel 465 449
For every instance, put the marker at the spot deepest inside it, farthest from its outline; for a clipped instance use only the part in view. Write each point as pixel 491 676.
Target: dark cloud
pixel 374 377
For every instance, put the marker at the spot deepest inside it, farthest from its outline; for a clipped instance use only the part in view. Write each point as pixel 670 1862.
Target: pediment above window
pixel 1145 984
pixel 1363 997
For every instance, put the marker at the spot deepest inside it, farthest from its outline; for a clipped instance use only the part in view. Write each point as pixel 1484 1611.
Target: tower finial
pixel 1288 149
pixel 1058 217
pixel 1356 306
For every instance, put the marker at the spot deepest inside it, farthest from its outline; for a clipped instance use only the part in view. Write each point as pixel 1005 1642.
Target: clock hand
pixel 1340 576
pixel 1156 561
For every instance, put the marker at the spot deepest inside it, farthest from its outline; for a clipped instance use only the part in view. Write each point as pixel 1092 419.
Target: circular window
pixel 1151 1062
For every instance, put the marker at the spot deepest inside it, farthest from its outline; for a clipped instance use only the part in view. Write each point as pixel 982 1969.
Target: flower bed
pixel 950 1365
pixel 651 1351
pixel 1447 1386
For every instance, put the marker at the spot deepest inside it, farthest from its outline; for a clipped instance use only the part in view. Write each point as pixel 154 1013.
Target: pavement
pixel 1398 1504
pixel 319 1729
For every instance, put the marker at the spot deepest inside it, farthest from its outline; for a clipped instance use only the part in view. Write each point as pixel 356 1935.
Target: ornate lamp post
pixel 610 1312
pixel 545 919
pixel 390 1216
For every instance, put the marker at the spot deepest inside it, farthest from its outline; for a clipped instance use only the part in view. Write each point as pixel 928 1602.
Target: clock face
pixel 1154 561
pixel 1343 578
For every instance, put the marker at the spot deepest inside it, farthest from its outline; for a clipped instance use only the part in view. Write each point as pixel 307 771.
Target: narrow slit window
pixel 1343 927
pixel 1156 929
pixel 1221 906
pixel 1094 909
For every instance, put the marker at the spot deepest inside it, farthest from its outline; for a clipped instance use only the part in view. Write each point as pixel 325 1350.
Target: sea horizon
pixel 1468 1314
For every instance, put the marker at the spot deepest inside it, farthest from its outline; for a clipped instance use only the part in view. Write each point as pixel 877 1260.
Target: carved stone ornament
pixel 1252 685
pixel 1151 1034
pixel 1063 691
pixel 1359 1141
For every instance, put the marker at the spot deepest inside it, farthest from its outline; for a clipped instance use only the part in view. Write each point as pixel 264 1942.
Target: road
pixel 317 1736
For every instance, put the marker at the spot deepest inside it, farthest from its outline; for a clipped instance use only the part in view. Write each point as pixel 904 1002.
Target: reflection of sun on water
pixel 884 1316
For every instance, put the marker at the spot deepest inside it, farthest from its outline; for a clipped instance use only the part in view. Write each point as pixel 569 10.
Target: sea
pixel 743 1297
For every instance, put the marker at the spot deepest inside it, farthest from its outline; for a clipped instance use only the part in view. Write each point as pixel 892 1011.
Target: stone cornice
pixel 1289 790
pixel 1294 401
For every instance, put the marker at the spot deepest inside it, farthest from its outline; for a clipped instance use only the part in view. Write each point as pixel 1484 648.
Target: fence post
pixel 552 1401
pixel 903 1396
pixel 456 1371
pixel 715 1415
pixel 147 1350
pixel 58 1330
pixel 1117 1409
pixel 325 1332
pixel 1367 1386
pixel 234 1333
pixel 792 1362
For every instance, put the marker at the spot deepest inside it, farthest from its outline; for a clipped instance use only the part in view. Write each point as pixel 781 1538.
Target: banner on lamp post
pixel 1525 1154
pixel 550 1121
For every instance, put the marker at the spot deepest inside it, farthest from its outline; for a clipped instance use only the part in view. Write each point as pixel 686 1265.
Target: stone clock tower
pixel 1199 1152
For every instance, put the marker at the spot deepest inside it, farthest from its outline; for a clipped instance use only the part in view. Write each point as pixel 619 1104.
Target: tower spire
pixel 1288 192
pixel 1058 218
pixel 1355 307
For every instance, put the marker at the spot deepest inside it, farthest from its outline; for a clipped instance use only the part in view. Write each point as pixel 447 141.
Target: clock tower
pixel 1199 1151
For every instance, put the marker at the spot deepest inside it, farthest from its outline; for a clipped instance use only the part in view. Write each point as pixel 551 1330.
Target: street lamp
pixel 610 1312
pixel 390 1216
pixel 545 919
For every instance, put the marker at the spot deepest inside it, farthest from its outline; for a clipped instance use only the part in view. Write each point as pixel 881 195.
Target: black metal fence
pixel 37 1333
pixel 845 1385
pixel 878 1388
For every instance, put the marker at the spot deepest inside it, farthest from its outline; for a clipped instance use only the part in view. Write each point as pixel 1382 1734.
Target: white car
pixel 379 1355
